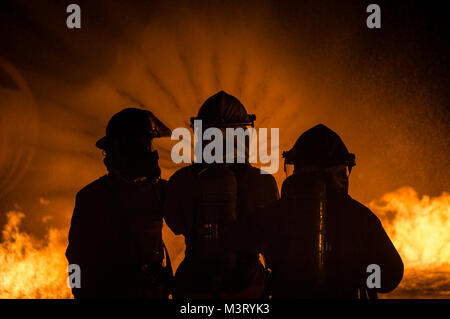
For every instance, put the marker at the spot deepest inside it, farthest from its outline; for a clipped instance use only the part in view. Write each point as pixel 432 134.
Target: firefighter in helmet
pixel 116 229
pixel 214 205
pixel 318 241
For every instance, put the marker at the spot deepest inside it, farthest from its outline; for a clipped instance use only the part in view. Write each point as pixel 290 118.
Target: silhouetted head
pixel 128 143
pixel 224 110
pixel 321 149
pixel 131 124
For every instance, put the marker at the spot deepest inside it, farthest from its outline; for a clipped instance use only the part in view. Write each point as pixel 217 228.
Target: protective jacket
pixel 116 239
pixel 318 241
pixel 215 206
pixel 354 240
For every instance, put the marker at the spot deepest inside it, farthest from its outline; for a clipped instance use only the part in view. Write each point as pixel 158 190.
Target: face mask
pixel 339 177
pixel 143 164
pixel 134 158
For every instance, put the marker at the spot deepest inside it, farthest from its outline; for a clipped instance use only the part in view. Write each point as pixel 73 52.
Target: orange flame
pixel 418 227
pixel 420 230
pixel 32 268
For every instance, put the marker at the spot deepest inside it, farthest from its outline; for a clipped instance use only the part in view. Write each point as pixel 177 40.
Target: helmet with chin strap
pixel 127 143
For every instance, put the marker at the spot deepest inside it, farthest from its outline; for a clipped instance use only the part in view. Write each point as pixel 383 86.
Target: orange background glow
pixel 292 64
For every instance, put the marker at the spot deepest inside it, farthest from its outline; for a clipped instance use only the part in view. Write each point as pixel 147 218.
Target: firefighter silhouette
pixel 116 230
pixel 318 241
pixel 215 206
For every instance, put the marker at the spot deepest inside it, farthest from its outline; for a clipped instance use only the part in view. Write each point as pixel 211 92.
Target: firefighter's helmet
pixel 223 110
pixel 132 122
pixel 319 146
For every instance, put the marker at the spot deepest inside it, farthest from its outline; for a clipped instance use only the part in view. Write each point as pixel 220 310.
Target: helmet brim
pixel 154 128
pixel 101 143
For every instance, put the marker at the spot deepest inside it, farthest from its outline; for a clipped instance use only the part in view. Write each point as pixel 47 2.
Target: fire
pixel 32 268
pixel 420 230
pixel 418 227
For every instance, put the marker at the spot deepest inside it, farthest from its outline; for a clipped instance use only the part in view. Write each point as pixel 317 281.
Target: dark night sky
pixel 294 64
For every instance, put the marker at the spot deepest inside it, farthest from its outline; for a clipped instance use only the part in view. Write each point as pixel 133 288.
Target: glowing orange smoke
pixel 420 230
pixel 418 227
pixel 32 268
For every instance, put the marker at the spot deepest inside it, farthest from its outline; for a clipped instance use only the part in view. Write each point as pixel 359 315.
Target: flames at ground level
pixel 418 227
